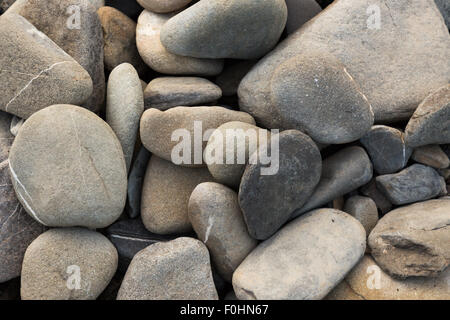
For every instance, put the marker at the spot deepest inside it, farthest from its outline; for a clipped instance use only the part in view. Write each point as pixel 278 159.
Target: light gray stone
pixel 163 6
pixel 364 210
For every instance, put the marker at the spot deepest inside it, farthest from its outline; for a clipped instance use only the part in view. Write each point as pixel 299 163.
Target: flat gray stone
pixel 364 210
pixel 431 155
pixel 175 270
pixel 413 184
pixel 68 168
pixel 303 261
pixel 300 12
pixel 218 29
pixel 136 181
pixel 413 241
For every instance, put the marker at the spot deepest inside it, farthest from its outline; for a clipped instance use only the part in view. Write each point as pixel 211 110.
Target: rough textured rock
pixel 304 260
pixel 165 195
pixel 68 168
pixel 342 172
pixel 300 12
pixel 57 257
pixel 119 33
pixel 167 92
pixel 430 123
pixel 217 219
pixel 431 155
pixel 413 240
pixel 386 148
pixel 364 210
pixel 370 190
pixel 346 31
pixel 231 76
pixel 362 284
pixel 226 29
pixel 268 199
pixel 159 59
pixel 124 107
pixel 444 7
pixel 179 270
pixel 157 129
pixel 35 72
pixel 80 37
pixel 415 183
pixel 135 182
pixel 163 6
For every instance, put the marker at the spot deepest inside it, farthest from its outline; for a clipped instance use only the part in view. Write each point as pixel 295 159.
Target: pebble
pixel 431 155
pixel 163 6
pixel 342 173
pixel 415 183
pixel 268 199
pixel 74 174
pixel 124 107
pixel 364 210
pixel 413 241
pixel 370 190
pixel 217 219
pixel 67 264
pixel 159 59
pixel 303 261
pixel 300 12
pixel 386 148
pixel 175 270
pixel 136 181
pixel 167 92
pixel 36 73
pixel 165 195
pixel 237 30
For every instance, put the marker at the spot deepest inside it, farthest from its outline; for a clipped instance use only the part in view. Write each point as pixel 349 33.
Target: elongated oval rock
pixel 431 155
pixel 83 260
pixel 413 241
pixel 343 172
pixel 180 134
pixel 270 192
pixel 217 219
pixel 304 260
pixel 159 59
pixel 178 270
pixel 124 107
pixel 35 72
pixel 68 168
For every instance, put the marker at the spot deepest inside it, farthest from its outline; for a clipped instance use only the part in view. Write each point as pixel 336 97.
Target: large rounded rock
pixel 163 6
pixel 217 219
pixel 413 240
pixel 226 29
pixel 67 264
pixel 159 59
pixel 175 270
pixel 304 260
pixel 268 197
pixel 165 195
pixel 68 168
pixel 176 134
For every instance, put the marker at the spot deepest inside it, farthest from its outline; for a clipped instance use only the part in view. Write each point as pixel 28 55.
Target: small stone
pixel 217 219
pixel 413 241
pixel 124 107
pixel 431 155
pixel 68 168
pixel 364 210
pixel 304 260
pixel 300 12
pixel 360 284
pixel 119 33
pixel 16 124
pixel 430 123
pixel 386 148
pixel 175 270
pixel 167 92
pixel 232 75
pixel 35 71
pixel 159 59
pixel 157 129
pixel 57 257
pixel 268 197
pixel 370 190
pixel 165 195
pixel 136 181
pixel 415 183
pixel 342 173
pixel 163 6
pixel 218 29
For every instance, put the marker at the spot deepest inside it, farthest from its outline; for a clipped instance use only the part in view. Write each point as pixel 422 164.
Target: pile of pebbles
pixel 99 199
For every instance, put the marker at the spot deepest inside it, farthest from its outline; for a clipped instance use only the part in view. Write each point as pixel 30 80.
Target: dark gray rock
pixel 267 199
pixel 231 76
pixel 226 29
pixel 386 148
pixel 370 190
pixel 136 181
pixel 300 12
pixel 415 183
pixel 444 7
pixel 431 155
pixel 342 173
pixel 6 138
pixel 130 8
pixel 5 4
